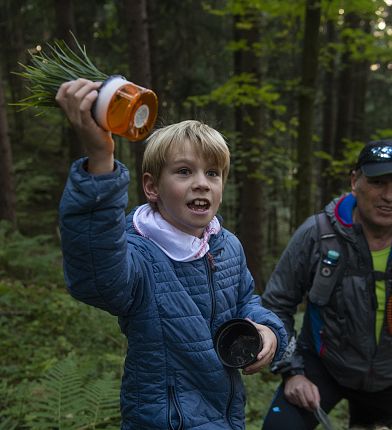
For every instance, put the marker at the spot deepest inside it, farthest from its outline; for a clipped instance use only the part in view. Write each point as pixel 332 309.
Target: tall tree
pixel 13 50
pixel 139 65
pixel 306 109
pixel 328 112
pixel 346 94
pixel 7 190
pixel 249 129
pixel 361 76
pixel 65 24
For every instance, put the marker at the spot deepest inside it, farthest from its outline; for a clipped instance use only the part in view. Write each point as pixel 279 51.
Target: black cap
pixel 375 159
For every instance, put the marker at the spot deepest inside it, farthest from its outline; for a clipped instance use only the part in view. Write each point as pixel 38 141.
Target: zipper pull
pixel 211 261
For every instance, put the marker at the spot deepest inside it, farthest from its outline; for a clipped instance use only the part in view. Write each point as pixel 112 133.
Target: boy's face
pixel 189 191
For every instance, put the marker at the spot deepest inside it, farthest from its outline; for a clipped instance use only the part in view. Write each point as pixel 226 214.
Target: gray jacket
pixel 342 332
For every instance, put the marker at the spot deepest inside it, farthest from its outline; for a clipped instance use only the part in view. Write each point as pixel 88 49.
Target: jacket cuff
pixel 292 372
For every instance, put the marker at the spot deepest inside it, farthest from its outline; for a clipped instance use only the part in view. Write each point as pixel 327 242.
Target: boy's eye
pixel 183 171
pixel 213 173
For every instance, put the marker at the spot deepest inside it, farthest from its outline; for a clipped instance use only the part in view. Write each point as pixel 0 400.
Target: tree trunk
pixel 345 99
pixel 65 24
pixel 11 31
pixel 361 75
pixel 329 117
pixel 305 112
pixel 7 190
pixel 251 195
pixel 139 66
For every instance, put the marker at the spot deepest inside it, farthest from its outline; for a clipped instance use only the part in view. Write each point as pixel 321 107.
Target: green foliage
pixel 361 45
pixel 260 389
pixel 12 401
pixel 341 168
pixel 382 134
pixel 241 90
pixel 30 259
pixel 269 7
pixel 44 334
pixel 63 400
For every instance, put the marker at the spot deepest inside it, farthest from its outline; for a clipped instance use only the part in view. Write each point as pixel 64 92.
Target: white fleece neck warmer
pixel 177 245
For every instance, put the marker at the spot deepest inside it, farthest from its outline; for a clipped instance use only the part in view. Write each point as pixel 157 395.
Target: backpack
pixel 329 270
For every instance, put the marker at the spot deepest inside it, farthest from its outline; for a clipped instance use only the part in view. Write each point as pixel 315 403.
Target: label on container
pixel 141 116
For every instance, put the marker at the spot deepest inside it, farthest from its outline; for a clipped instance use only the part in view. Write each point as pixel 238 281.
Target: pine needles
pixel 47 72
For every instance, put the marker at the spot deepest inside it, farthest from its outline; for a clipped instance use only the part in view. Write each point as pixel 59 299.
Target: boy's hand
pixel 76 99
pixel 265 356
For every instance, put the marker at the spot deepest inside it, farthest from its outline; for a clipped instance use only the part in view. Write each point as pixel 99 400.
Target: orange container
pixel 126 109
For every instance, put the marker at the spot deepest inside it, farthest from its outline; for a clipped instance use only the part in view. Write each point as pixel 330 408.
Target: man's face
pixel 374 200
pixel 189 190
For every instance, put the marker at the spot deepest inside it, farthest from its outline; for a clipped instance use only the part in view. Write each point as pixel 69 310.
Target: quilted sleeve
pixel 98 267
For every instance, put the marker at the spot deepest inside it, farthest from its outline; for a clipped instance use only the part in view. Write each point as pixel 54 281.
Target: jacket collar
pixel 176 244
pixel 340 213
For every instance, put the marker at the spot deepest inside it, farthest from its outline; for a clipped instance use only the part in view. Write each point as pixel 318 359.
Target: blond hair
pixel 208 143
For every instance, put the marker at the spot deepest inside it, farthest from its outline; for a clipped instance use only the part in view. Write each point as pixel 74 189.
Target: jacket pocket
pixel 230 400
pixel 175 416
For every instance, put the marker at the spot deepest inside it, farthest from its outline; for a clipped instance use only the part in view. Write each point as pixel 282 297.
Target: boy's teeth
pixel 199 203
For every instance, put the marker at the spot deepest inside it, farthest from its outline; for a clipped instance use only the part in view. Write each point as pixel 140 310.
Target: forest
pixel 296 87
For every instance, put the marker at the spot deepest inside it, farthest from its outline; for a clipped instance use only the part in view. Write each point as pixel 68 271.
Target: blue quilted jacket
pixel 168 310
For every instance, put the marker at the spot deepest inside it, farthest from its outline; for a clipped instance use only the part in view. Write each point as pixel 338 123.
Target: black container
pixel 237 343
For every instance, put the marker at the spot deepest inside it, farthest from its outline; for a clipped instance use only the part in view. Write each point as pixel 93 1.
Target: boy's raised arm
pixel 97 268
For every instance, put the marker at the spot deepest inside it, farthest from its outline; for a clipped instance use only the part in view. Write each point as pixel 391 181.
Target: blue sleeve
pixel 98 268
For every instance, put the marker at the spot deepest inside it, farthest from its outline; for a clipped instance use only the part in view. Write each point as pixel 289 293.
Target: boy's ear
pixel 150 188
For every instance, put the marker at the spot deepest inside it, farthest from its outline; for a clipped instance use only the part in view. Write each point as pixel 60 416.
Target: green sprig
pixel 47 72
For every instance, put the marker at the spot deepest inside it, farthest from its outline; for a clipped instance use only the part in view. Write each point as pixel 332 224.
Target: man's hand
pixel 265 356
pixel 76 99
pixel 300 391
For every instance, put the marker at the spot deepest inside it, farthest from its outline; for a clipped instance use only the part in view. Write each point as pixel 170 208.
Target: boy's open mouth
pixel 199 205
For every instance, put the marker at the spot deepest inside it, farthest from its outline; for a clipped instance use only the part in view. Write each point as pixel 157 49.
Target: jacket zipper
pixel 209 261
pixel 373 307
pixel 228 416
pixel 173 400
pixel 210 264
pixel 372 291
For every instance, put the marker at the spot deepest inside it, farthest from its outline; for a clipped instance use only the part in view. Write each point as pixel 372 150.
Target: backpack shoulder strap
pixel 324 226
pixel 328 269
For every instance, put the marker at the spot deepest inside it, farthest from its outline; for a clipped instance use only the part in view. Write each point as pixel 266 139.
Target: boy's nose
pixel 201 181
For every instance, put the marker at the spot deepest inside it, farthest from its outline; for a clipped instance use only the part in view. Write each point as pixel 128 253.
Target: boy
pixel 169 271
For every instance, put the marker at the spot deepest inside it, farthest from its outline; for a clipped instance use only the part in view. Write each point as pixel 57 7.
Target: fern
pixel 8 424
pixel 12 402
pixel 64 402
pixel 58 398
pixel 102 401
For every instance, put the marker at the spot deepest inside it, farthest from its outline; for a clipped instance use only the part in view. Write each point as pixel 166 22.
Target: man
pixel 341 262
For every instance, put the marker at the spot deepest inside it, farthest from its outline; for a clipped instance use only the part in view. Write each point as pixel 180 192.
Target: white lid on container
pixel 109 87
